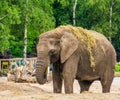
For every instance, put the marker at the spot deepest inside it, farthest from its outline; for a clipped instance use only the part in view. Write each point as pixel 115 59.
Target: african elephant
pixel 76 53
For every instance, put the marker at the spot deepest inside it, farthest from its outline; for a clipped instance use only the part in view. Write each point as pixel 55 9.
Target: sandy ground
pixel 30 91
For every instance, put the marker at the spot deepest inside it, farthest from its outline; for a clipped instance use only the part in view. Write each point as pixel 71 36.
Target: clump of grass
pixel 117 67
pixel 81 34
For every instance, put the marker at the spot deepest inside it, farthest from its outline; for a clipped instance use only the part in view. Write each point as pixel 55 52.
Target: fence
pixel 7 64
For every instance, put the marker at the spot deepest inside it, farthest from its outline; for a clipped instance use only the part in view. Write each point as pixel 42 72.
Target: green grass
pixel 117 67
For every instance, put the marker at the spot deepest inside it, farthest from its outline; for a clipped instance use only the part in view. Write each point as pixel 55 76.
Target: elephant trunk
pixel 42 63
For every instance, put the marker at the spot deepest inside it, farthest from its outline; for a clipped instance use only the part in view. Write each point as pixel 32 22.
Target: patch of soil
pixel 34 91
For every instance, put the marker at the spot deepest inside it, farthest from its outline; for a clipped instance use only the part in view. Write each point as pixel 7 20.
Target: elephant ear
pixel 69 44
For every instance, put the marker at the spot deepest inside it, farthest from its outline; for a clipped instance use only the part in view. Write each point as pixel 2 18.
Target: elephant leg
pixel 70 68
pixel 85 85
pixel 68 83
pixel 57 82
pixel 106 83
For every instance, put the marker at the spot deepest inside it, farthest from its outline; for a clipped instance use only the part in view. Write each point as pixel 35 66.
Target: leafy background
pixel 44 15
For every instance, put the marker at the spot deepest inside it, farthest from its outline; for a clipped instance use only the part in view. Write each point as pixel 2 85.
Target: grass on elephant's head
pixel 82 35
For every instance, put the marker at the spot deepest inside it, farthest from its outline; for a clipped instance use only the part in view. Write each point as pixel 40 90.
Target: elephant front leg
pixel 68 83
pixel 69 72
pixel 57 82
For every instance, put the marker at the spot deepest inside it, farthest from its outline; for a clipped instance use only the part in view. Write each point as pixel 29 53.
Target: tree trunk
pixel 74 9
pixel 110 21
pixel 25 37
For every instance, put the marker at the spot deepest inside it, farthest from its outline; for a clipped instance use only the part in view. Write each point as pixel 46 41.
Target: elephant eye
pixel 51 42
pixel 58 42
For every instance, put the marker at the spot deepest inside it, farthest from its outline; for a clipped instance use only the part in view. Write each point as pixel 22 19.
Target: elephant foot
pixel 57 91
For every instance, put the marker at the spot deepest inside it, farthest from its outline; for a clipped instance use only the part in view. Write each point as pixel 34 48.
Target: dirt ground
pixel 34 91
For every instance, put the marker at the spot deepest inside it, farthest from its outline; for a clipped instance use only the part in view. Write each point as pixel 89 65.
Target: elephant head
pixel 53 46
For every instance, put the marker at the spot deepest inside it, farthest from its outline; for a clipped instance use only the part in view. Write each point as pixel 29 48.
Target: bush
pixel 117 67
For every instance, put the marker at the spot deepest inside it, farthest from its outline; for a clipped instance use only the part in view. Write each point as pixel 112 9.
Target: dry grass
pixel 117 74
pixel 82 35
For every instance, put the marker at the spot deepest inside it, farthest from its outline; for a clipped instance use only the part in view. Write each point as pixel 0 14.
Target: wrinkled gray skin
pixel 71 61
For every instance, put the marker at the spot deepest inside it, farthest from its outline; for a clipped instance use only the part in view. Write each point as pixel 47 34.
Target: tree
pixel 63 12
pixel 7 14
pixel 110 25
pixel 39 17
pixel 25 34
pixel 74 9
pixel 43 15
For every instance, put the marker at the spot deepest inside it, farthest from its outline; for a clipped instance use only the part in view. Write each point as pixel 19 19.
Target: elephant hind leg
pixel 84 85
pixel 106 81
pixel 106 84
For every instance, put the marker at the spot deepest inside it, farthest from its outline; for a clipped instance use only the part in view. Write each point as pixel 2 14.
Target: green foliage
pixel 44 15
pixel 117 67
pixel 40 19
pixel 4 43
pixel 9 15
pixel 16 48
pixel 62 12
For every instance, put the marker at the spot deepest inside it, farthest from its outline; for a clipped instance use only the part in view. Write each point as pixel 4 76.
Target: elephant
pixel 75 53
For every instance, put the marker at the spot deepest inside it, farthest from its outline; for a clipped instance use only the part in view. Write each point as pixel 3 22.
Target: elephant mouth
pixel 45 74
pixel 54 58
pixel 52 53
